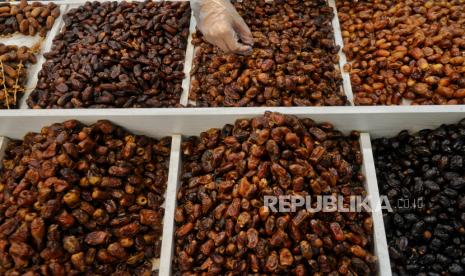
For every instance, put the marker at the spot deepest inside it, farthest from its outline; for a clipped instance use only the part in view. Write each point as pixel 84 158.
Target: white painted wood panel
pixel 167 246
pixel 347 85
pixel 377 120
pixel 368 169
pixel 3 143
pixel 371 185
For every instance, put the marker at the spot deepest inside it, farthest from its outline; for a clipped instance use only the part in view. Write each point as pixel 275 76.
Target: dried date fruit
pixel 294 60
pixel 423 176
pixel 402 51
pixel 28 19
pixel 63 210
pixel 223 226
pixel 116 55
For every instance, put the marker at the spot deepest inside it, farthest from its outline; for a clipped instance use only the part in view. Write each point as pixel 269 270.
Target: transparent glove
pixel 221 25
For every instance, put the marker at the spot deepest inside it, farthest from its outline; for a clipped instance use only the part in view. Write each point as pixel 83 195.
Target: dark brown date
pixel 116 55
pixel 422 176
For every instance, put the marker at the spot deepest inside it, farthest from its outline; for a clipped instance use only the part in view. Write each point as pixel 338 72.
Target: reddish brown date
pixel 223 227
pixel 64 209
pixel 294 60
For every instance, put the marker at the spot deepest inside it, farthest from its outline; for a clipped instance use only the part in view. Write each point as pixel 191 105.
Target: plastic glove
pixel 221 25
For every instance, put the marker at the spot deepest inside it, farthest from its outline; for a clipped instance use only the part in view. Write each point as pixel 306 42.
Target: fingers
pixel 216 36
pixel 243 30
pixel 245 50
pixel 225 38
pixel 240 26
pixel 222 26
pixel 233 45
pixel 218 42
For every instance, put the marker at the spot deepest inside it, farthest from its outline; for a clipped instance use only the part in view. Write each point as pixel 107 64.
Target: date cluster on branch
pixel 294 60
pixel 14 62
pixel 412 50
pixel 223 226
pixel 78 199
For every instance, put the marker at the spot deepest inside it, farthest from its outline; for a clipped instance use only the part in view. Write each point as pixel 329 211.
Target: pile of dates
pixel 405 50
pixel 223 225
pixel 28 19
pixel 82 200
pixel 294 60
pixel 423 175
pixel 14 62
pixel 116 55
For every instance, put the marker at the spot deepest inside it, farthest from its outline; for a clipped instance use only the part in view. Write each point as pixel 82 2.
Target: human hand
pixel 221 25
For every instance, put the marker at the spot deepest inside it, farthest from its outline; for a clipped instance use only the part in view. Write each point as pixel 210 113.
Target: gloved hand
pixel 221 25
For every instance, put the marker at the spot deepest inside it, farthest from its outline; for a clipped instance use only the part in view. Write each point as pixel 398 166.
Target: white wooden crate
pixel 368 169
pixel 65 5
pixel 172 174
pixel 175 122
pixel 165 261
pixel 191 52
pixel 376 120
pixel 47 43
